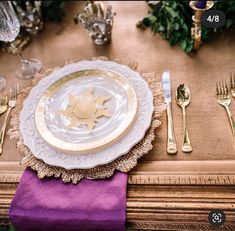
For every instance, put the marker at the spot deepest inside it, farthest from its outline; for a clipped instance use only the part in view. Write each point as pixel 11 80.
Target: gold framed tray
pixel 86 110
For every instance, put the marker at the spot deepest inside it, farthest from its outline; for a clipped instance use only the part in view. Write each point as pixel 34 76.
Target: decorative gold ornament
pixel 196 30
pixel 21 41
pixel 86 109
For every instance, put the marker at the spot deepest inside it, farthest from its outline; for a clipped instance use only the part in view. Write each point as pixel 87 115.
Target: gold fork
pixel 11 104
pixel 232 84
pixel 223 98
pixel 3 103
pixel 133 65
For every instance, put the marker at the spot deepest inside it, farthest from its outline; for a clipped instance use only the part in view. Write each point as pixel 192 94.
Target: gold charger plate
pixel 86 111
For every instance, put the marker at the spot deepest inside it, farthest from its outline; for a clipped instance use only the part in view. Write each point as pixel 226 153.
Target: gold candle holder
pixel 196 30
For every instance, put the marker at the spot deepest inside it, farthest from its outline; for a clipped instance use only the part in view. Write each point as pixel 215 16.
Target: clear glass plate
pixel 59 115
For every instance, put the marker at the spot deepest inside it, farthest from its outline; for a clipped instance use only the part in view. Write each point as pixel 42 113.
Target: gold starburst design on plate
pixel 86 109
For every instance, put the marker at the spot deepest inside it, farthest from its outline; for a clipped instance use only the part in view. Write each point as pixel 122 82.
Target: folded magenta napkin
pixel 50 204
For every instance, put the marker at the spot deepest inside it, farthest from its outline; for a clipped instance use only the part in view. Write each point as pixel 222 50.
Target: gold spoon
pixel 183 100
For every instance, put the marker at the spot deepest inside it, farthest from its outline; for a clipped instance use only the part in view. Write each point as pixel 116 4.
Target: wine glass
pixel 9 29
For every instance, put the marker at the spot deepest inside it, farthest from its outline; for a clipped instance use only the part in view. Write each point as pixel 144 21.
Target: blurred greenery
pixel 7 228
pixel 173 20
pixel 51 10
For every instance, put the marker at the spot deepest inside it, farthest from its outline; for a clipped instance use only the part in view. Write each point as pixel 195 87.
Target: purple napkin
pixel 50 204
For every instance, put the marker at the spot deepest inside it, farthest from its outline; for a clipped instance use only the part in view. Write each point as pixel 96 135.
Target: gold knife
pixel 166 84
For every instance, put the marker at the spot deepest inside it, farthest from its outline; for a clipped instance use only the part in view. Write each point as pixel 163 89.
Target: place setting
pixel 182 98
pixel 89 119
pixel 85 126
pixel 224 93
pixel 81 128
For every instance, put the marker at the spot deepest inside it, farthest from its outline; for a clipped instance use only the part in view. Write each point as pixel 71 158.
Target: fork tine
pixel 223 88
pixel 226 88
pixel 6 99
pixel 131 65
pixel 220 88
pixel 17 88
pixel 15 91
pixel 232 80
pixel 10 93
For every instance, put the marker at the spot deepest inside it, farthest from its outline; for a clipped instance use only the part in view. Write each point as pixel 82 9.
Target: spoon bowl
pixel 183 95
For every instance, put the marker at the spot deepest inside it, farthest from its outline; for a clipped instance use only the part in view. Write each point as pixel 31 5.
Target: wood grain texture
pixel 164 192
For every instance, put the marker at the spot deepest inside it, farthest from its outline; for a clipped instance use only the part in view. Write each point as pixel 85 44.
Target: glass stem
pixel 18 52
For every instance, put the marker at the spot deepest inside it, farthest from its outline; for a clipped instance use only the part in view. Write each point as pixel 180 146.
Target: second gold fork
pixel 11 104
pixel 223 98
pixel 232 84
pixel 3 104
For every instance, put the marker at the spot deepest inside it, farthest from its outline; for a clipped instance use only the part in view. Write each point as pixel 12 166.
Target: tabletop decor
pixel 9 30
pixel 3 103
pixel 32 16
pixel 105 208
pixel 93 165
pixel 201 4
pixel 83 98
pixel 10 104
pixel 196 30
pixel 98 20
pixel 2 83
pixel 223 98
pixel 232 84
pixel 166 85
pixel 52 205
pixel 22 40
pixel 85 109
pixel 183 100
pixel 173 20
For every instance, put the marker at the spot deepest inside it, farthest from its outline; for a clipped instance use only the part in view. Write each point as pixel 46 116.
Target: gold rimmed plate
pixel 86 111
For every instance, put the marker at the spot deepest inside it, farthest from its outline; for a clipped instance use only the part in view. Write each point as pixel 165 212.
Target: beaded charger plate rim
pixel 124 163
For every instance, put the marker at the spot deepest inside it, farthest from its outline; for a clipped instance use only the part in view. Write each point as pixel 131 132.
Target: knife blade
pixel 166 85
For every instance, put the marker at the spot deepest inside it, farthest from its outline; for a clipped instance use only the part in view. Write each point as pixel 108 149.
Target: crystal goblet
pixel 9 29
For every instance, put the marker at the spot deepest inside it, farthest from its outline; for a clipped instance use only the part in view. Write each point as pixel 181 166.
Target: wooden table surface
pixel 164 192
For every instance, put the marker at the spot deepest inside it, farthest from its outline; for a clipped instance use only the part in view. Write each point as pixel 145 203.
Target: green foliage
pixel 173 20
pixel 53 10
pixel 7 228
